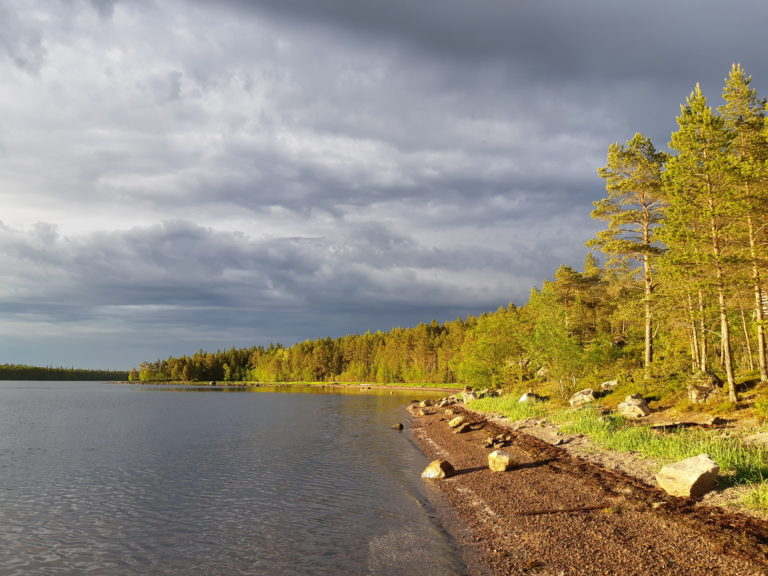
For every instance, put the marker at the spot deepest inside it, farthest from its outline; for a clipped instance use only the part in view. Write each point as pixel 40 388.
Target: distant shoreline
pixel 341 385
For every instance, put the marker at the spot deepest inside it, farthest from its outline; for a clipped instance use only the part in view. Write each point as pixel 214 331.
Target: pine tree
pixel 701 204
pixel 633 208
pixel 743 114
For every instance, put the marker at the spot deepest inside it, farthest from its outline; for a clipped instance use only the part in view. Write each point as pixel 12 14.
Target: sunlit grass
pixel 510 407
pixel 744 463
pixel 757 497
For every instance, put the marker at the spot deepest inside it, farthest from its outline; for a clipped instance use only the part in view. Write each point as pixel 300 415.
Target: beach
pixel 555 513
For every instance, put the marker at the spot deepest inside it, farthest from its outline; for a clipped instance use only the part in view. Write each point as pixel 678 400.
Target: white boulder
pixel 690 478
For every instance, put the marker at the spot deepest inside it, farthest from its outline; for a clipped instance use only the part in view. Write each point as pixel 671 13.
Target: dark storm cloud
pixel 191 173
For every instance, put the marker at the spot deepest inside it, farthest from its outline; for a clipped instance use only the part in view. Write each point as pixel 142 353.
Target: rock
pixel 689 478
pixel 582 397
pixel 715 421
pixel 609 385
pixel 757 439
pixel 456 422
pixel 702 386
pixel 438 469
pixel 468 396
pixel 398 426
pixel 424 413
pixel 461 428
pixel 531 397
pixel 499 461
pixel 449 412
pixel 634 406
pixel 425 403
pixel 447 401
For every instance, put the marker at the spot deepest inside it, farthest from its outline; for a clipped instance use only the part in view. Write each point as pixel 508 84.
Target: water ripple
pixel 104 480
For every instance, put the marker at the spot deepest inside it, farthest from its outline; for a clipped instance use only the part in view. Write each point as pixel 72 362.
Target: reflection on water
pixel 105 479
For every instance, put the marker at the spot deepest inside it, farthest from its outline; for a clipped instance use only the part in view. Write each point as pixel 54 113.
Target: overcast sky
pixel 184 174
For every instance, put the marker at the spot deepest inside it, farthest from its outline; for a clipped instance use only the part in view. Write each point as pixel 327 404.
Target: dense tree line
pixel 682 290
pixel 22 372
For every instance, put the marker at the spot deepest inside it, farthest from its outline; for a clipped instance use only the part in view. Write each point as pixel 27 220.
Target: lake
pixel 104 479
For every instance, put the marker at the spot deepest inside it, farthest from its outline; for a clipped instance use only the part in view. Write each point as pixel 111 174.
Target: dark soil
pixel 556 514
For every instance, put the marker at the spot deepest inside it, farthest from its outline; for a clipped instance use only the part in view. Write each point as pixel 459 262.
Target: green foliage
pixel 756 497
pixel 492 354
pixel 22 372
pixel 761 409
pixel 684 240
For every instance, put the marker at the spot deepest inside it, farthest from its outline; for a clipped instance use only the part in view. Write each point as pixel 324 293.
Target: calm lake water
pixel 119 479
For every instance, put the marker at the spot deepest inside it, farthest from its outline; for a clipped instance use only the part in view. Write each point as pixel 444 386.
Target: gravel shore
pixel 557 514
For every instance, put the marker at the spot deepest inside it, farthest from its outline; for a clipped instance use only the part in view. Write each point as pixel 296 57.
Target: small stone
pixel 398 426
pixel 582 397
pixel 715 421
pixel 690 478
pixel 456 422
pixel 449 412
pixel 499 461
pixel 634 406
pixel 424 413
pixel 425 403
pixel 468 397
pixel 438 469
pixel 609 385
pixel 530 397
pixel 465 427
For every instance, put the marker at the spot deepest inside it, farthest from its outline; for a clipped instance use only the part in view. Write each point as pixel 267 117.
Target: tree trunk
pixel 725 332
pixel 694 336
pixel 703 352
pixel 750 360
pixel 759 311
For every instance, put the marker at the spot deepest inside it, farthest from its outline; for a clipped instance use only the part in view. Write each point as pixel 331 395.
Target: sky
pixel 186 174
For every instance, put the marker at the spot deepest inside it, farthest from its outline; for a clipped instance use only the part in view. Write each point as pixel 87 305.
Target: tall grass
pixel 510 407
pixel 743 463
pixel 757 497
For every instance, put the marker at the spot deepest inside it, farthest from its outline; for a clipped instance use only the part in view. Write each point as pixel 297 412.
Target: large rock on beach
pixel 447 401
pixel 690 478
pixel 582 397
pixel 465 427
pixel 634 406
pixel 456 422
pixel 500 461
pixel 438 469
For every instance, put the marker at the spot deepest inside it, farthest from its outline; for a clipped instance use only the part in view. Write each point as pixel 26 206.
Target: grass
pixel 744 464
pixel 757 497
pixel 510 406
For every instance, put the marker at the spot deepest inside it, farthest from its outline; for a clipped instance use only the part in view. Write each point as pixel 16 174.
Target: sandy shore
pixel 558 514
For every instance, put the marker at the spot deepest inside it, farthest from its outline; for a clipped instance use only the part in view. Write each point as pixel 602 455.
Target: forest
pixel 680 291
pixel 22 372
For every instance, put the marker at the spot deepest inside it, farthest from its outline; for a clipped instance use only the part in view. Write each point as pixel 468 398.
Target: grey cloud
pixel 20 41
pixel 292 169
